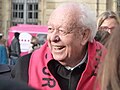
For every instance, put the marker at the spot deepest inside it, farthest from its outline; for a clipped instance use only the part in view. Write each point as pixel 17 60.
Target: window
pixel 17 13
pixel 21 7
pixel 118 7
pixel 35 15
pixel 30 15
pixel 30 7
pixel 17 10
pixel 15 6
pixel 32 11
pixel 24 11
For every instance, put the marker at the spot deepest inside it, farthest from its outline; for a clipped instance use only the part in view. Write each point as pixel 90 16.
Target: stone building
pixel 13 12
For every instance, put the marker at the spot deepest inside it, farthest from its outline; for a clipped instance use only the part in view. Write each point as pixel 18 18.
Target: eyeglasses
pixel 106 28
pixel 61 31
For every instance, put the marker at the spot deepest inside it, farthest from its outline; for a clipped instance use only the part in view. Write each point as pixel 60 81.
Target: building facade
pixel 13 12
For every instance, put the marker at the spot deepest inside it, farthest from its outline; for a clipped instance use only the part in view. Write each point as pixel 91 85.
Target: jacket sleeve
pixel 18 51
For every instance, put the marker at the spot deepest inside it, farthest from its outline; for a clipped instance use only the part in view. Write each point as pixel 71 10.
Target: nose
pixel 55 38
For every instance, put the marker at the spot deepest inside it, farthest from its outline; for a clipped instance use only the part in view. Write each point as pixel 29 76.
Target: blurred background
pixel 13 12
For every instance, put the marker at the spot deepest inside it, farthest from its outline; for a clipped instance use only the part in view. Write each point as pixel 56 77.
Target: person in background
pixel 42 38
pixel 14 50
pixel 3 51
pixel 106 23
pixel 2 40
pixel 5 69
pixel 109 73
pixel 70 57
pixel 34 44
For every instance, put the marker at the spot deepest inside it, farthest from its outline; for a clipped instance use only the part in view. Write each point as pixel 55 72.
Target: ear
pixel 85 36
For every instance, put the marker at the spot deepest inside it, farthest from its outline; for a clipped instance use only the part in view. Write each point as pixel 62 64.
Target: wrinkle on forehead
pixel 65 16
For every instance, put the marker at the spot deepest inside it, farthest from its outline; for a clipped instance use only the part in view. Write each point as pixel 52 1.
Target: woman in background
pixel 108 20
pixel 106 23
pixel 110 71
pixel 3 51
pixel 34 44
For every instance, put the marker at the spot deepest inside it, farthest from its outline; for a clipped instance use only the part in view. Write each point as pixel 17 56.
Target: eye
pixel 103 28
pixel 62 32
pixel 50 29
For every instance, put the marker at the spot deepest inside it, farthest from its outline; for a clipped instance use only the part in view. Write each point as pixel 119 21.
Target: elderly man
pixel 70 57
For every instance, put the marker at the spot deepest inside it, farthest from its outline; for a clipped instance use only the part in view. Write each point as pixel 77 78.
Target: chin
pixel 58 58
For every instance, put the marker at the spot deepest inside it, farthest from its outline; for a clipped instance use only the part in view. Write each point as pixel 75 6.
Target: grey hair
pixel 88 19
pixel 82 16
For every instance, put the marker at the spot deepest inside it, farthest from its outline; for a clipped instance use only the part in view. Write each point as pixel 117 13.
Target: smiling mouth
pixel 59 47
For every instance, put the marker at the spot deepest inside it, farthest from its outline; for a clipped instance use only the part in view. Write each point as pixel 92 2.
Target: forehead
pixel 110 22
pixel 63 17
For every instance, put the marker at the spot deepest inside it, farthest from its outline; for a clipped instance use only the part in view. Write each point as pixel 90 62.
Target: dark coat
pixel 5 80
pixel 5 70
pixel 15 48
pixel 20 71
pixel 7 84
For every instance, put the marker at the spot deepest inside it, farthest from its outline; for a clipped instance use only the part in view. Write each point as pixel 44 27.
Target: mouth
pixel 58 48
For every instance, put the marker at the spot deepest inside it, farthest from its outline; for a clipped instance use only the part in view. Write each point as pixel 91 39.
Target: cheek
pixel 48 40
pixel 72 48
pixel 72 44
pixel 48 37
pixel 68 41
pixel 73 41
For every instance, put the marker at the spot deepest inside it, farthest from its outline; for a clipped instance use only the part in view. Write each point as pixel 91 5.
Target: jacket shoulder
pixel 20 70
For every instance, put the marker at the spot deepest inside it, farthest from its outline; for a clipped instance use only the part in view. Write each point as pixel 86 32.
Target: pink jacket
pixel 41 78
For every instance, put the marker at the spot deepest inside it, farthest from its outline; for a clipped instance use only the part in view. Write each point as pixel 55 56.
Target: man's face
pixel 64 41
